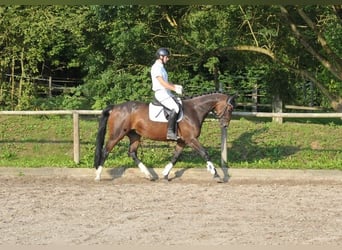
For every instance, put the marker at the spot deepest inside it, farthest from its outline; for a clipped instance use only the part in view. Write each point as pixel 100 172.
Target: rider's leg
pixel 167 101
pixel 171 126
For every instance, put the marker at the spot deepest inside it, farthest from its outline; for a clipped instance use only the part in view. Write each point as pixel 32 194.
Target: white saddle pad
pixel 156 114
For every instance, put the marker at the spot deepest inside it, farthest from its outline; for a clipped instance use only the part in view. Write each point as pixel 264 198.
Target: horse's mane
pixel 202 94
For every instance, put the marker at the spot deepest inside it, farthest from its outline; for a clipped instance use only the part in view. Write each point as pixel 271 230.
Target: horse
pixel 131 119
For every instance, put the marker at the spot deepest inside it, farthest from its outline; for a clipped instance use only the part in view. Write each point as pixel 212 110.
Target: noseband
pixel 221 115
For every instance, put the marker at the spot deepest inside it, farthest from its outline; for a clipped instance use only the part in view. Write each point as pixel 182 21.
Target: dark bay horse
pixel 132 119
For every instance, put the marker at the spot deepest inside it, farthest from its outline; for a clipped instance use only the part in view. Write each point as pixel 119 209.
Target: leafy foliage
pixel 282 50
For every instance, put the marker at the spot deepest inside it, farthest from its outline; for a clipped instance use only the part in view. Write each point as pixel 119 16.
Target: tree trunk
pixel 321 40
pixel 216 80
pixel 277 107
pixel 328 65
pixel 22 75
pixel 12 82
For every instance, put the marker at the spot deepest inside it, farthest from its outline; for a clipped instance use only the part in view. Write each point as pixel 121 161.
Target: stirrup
pixel 172 136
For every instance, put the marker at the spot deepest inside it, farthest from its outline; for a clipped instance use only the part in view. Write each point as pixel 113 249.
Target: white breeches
pixel 165 98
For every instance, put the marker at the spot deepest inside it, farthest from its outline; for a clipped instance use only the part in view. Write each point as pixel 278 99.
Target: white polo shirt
pixel 158 70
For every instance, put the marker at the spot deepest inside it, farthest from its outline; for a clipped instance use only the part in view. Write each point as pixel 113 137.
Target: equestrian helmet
pixel 162 52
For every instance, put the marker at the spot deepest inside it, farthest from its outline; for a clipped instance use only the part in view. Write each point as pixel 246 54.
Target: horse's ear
pixel 231 100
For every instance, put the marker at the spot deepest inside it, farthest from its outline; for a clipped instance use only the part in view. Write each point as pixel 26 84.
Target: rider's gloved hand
pixel 178 89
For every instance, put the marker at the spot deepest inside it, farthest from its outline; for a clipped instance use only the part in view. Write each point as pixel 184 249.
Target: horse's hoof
pixel 218 179
pixel 166 178
pixel 151 178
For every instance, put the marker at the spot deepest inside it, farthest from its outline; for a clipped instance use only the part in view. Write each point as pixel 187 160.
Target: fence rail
pixel 77 113
pixel 288 115
pixel 235 113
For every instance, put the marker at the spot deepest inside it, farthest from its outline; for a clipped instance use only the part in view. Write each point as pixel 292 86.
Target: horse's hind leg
pixel 105 152
pixel 134 139
pixel 104 155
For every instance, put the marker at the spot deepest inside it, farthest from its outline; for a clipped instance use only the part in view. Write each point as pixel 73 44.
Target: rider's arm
pixel 166 84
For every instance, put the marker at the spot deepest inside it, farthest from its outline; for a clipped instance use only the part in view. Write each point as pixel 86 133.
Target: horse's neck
pixel 203 106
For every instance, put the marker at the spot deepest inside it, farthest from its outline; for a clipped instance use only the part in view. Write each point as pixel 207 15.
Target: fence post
pixel 255 98
pixel 76 137
pixel 224 161
pixel 50 86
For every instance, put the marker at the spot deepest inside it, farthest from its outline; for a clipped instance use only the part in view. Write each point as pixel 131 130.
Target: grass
pixel 31 141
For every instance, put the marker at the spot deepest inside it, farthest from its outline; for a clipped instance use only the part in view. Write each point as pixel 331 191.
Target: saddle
pixel 159 113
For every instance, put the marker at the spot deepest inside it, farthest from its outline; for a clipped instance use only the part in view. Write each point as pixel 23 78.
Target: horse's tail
pixel 101 133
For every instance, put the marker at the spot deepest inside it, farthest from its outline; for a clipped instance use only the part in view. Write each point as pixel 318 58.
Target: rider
pixel 162 90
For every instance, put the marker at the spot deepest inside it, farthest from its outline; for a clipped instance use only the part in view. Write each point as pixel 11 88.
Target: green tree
pixel 213 37
pixel 277 48
pixel 37 41
pixel 122 43
pixel 317 29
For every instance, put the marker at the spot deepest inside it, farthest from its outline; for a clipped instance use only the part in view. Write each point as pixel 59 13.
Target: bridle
pixel 222 114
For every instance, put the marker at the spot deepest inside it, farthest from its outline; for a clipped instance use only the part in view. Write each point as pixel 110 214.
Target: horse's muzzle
pixel 224 124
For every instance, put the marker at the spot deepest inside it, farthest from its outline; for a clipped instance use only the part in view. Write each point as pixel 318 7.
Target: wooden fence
pixel 47 86
pixel 76 128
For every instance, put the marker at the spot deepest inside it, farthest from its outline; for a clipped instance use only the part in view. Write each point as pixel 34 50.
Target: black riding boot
pixel 171 127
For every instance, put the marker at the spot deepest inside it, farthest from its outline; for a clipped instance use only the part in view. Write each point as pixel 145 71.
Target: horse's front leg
pixel 179 148
pixel 195 144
